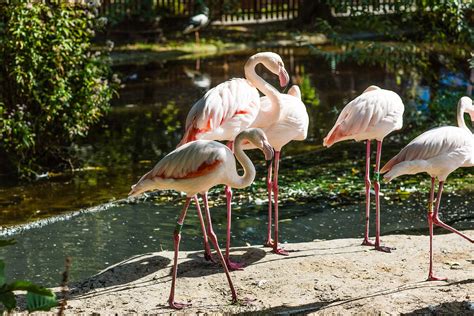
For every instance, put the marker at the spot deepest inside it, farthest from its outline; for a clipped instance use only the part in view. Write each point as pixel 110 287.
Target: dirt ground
pixel 320 277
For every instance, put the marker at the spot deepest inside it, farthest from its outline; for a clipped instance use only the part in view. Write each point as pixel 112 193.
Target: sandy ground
pixel 320 277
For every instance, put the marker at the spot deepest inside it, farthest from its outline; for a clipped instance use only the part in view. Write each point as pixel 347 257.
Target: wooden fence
pixel 247 11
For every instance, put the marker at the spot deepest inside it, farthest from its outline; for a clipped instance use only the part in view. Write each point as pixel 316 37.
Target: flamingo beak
pixel 267 150
pixel 284 77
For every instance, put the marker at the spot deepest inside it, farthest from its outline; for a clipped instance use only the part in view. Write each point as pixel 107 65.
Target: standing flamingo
pixel 229 108
pixel 437 152
pixel 283 118
pixel 372 115
pixel 195 168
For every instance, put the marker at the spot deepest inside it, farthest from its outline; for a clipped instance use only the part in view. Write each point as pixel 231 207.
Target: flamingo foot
pixel 208 257
pixel 245 301
pixel 177 305
pixel 367 242
pixel 384 249
pixel 234 266
pixel 280 251
pixel 269 243
pixel 431 277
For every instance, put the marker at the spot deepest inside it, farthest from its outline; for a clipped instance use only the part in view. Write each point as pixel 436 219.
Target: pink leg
pixel 438 222
pixel 177 239
pixel 231 265
pixel 366 241
pixel 277 250
pixel 377 200
pixel 207 248
pixel 269 242
pixel 213 238
pixel 431 277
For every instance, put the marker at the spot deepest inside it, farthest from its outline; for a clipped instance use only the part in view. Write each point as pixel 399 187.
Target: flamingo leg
pixel 431 277
pixel 366 241
pixel 207 248
pixel 213 238
pixel 277 250
pixel 196 35
pixel 269 242
pixel 231 265
pixel 438 222
pixel 377 200
pixel 177 239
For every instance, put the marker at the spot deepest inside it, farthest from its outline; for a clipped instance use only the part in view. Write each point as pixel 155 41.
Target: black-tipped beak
pixel 284 77
pixel 267 151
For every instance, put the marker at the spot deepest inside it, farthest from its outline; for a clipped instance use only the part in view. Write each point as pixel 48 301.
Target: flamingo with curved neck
pixel 229 108
pixel 195 168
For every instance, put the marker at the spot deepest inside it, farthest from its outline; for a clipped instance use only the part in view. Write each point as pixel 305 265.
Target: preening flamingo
pixel 283 118
pixel 227 109
pixel 195 168
pixel 372 115
pixel 437 152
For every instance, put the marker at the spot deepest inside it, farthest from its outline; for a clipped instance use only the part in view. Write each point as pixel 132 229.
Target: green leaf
pixel 7 242
pixel 8 300
pixel 36 302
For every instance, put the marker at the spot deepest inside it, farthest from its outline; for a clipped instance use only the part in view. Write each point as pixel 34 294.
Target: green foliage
pixel 54 86
pixel 38 297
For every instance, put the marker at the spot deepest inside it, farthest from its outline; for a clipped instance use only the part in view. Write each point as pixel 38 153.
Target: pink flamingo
pixel 229 108
pixel 437 152
pixel 283 118
pixel 195 168
pixel 372 115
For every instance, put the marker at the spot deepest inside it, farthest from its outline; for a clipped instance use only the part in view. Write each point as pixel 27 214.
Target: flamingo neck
pixel 249 170
pixel 460 117
pixel 266 88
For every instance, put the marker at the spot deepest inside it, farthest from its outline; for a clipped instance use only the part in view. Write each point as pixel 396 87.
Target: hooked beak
pixel 267 150
pixel 284 77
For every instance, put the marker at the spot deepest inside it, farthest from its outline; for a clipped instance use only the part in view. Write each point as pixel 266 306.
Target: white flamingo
pixel 372 115
pixel 437 152
pixel 195 168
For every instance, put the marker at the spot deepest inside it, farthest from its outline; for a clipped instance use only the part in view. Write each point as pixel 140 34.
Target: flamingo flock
pixel 234 112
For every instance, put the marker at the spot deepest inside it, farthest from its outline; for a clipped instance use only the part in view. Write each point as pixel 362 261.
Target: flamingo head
pixel 258 138
pixel 274 63
pixel 465 103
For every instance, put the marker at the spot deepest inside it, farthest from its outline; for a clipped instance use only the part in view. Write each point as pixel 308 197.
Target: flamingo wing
pixel 443 149
pixel 371 115
pixel 223 112
pixel 188 161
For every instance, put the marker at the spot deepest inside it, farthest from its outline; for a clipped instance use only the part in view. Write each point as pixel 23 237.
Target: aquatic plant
pixel 53 84
pixel 38 298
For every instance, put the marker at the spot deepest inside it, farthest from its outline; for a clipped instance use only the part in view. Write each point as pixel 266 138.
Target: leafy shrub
pixel 53 85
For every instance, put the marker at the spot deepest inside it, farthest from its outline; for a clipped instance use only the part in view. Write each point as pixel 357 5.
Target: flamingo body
pixel 372 115
pixel 223 112
pixel 437 152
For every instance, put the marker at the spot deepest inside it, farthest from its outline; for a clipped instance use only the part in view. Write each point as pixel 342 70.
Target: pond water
pixel 146 122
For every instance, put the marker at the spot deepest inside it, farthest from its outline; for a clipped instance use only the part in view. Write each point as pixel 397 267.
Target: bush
pixel 53 85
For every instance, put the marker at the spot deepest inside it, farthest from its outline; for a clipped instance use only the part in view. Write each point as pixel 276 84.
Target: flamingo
pixel 227 109
pixel 283 118
pixel 437 152
pixel 195 168
pixel 372 115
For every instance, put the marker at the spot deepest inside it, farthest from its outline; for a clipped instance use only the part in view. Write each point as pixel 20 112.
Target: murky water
pixel 146 122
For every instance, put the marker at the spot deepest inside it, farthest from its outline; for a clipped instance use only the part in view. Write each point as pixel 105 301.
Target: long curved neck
pixel 461 122
pixel 266 88
pixel 249 170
